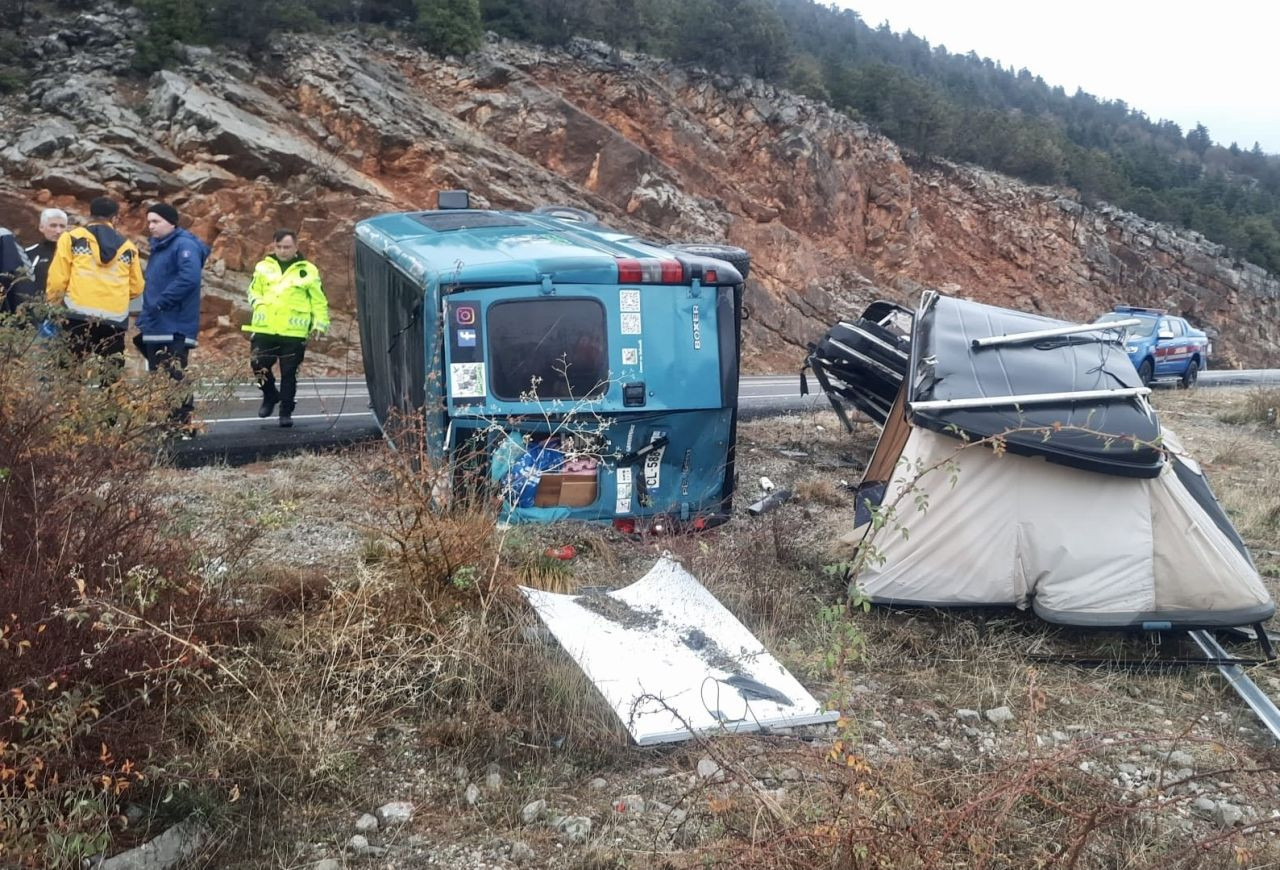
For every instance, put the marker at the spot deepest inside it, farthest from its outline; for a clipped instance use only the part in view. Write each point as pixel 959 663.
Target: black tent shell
pixel 1073 398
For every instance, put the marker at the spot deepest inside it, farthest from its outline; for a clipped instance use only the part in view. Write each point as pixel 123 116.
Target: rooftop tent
pixel 1093 517
pixel 1072 397
pixel 1080 548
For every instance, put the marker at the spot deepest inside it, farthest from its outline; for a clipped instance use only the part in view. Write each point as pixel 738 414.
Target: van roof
pixel 482 247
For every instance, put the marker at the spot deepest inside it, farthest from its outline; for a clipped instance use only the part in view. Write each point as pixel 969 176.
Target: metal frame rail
pixel 1263 707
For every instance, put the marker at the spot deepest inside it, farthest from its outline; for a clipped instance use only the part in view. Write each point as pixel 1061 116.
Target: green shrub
pixel 449 26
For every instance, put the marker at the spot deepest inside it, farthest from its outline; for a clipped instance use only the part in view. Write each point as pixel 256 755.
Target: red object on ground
pixel 564 553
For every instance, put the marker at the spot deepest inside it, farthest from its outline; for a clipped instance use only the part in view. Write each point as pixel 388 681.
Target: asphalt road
pixel 334 412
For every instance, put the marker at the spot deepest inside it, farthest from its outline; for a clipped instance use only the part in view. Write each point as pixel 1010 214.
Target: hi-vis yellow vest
pixel 289 301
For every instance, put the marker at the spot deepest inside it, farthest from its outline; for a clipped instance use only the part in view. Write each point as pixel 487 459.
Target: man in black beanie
pixel 170 317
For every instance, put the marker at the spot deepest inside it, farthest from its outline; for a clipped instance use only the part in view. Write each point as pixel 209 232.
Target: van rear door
pixel 534 349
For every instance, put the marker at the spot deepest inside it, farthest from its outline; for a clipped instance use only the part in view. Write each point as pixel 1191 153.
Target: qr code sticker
pixel 629 300
pixel 467 380
pixel 631 324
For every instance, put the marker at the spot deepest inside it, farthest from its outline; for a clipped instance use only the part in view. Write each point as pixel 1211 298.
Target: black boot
pixel 268 405
pixel 286 419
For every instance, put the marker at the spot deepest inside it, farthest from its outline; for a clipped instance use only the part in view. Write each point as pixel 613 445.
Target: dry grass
pixel 106 615
pixel 1258 405
pixel 386 671
pixel 1243 466
pixel 822 490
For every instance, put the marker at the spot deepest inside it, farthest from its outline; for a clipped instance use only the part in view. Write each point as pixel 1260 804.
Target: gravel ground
pixel 954 698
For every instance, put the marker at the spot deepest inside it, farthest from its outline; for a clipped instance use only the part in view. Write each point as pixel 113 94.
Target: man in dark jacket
pixel 170 316
pixel 14 268
pixel 53 223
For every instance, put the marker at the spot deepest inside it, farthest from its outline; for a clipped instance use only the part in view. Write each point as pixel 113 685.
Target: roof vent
pixel 453 199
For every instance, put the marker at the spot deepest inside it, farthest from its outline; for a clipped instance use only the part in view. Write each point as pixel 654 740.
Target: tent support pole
pixel 1268 651
pixel 1263 707
pixel 1039 334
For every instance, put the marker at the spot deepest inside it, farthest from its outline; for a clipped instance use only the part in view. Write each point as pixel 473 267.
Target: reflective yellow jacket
pixel 95 271
pixel 287 301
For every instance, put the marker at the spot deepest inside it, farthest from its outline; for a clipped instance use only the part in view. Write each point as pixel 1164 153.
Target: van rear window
pixel 548 348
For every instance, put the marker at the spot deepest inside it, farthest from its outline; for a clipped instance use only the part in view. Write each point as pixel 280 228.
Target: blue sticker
pixel 466 338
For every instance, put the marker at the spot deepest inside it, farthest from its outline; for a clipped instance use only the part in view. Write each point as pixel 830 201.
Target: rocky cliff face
pixel 329 130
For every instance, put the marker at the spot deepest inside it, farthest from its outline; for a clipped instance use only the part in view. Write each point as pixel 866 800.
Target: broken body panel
pixel 672 662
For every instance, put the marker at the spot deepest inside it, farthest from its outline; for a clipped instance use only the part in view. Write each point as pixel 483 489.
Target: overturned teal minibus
pixel 595 374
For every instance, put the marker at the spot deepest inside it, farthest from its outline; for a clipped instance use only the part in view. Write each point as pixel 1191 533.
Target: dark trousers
pixel 171 356
pixel 101 337
pixel 266 351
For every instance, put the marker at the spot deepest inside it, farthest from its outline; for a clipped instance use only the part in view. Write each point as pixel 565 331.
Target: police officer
pixel 288 305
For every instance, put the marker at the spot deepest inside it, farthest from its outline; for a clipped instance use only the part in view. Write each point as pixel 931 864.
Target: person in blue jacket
pixel 170 316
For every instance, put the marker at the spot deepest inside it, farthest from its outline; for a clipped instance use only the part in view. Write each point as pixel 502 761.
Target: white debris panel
pixel 672 661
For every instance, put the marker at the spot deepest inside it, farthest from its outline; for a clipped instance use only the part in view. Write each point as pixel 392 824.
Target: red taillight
pixel 626 525
pixel 630 272
pixel 649 270
pixel 711 277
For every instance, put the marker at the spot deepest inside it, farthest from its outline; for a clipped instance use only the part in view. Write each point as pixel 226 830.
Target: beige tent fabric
pixel 1088 548
pixel 1198 566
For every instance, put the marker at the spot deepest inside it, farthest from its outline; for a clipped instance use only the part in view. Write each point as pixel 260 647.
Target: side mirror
pixel 1164 335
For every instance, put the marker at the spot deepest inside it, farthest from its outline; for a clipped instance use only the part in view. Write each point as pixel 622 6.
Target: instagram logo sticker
pixel 465 315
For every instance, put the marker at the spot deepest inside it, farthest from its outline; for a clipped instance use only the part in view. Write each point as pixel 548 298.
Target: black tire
pixel 569 213
pixel 1191 375
pixel 736 257
pixel 1147 372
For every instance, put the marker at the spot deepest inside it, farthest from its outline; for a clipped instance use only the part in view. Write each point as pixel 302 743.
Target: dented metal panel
pixel 672 661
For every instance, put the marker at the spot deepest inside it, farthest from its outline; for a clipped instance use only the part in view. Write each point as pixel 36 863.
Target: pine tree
pixel 449 26
pixel 1198 140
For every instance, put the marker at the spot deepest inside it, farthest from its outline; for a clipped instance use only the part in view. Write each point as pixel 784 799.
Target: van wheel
pixel 569 213
pixel 736 257
pixel 1191 375
pixel 1147 372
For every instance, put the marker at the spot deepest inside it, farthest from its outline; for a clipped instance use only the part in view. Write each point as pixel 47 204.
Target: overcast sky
pixel 1215 65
